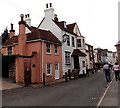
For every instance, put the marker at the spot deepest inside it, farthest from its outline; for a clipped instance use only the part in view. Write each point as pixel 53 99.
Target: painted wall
pixel 52 59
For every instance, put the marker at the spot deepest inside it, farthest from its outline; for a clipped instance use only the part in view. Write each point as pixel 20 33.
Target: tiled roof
pixel 42 34
pixel 63 28
pixel 71 26
pixel 34 35
pixel 12 40
pixel 77 52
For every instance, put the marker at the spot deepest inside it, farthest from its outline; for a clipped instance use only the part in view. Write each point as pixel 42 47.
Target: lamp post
pixel 65 37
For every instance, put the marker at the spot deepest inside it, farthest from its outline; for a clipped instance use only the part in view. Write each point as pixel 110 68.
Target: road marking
pixel 104 93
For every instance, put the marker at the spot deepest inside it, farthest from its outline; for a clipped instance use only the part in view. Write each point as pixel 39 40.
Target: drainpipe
pixel 42 59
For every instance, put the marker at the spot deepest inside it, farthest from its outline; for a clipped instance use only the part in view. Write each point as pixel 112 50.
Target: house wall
pixel 52 58
pixel 35 60
pixel 70 49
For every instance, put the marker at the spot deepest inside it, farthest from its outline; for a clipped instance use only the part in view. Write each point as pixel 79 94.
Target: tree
pixel 5 36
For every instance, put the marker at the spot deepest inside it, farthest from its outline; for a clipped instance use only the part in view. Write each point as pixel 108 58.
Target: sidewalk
pixel 6 84
pixel 111 97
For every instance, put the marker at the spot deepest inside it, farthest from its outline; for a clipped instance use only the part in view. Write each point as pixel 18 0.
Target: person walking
pixel 116 69
pixel 106 69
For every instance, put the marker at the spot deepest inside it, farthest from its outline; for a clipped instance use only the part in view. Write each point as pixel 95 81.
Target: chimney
pixel 12 31
pixel 28 22
pixel 55 17
pixel 49 12
pixel 22 36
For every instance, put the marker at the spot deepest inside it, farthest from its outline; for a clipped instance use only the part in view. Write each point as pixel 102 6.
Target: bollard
pixel 66 77
pixel 44 79
pixel 69 74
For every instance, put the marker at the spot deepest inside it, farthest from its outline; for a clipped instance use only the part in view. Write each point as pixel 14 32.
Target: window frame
pixel 9 51
pixel 50 69
pixel 79 43
pixel 48 48
pixel 56 49
pixel 67 58
pixel 73 41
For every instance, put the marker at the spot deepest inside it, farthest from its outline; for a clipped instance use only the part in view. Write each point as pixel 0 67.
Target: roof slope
pixel 63 28
pixel 34 35
pixel 77 52
pixel 12 40
pixel 42 34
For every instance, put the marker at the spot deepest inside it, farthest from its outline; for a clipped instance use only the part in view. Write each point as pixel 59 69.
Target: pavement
pixel 6 84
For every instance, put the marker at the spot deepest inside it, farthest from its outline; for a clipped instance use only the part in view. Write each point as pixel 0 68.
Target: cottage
pixel 33 52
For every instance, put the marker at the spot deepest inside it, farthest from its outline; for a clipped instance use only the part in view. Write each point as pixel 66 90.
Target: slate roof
pixel 77 52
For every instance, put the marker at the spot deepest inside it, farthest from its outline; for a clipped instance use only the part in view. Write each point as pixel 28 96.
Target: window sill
pixel 67 63
pixel 56 54
pixel 48 75
pixel 48 53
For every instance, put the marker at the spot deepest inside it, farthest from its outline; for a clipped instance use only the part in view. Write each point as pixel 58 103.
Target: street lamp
pixel 65 37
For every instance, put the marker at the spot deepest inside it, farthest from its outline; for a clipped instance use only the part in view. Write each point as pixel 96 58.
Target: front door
pixel 76 62
pixel 57 71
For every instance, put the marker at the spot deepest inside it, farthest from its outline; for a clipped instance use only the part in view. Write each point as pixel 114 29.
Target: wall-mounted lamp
pixel 65 37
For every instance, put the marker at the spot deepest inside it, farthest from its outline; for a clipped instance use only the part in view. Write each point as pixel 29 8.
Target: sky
pixel 96 19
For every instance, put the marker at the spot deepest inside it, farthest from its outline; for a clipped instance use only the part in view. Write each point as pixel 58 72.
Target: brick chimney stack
pixel 12 31
pixel 22 36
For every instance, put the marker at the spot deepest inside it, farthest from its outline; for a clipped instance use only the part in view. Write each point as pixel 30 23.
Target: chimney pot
pixel 25 16
pixel 11 26
pixel 22 16
pixel 46 5
pixel 28 15
pixel 50 4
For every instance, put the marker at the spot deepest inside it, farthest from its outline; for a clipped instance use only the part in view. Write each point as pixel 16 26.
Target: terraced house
pixel 31 53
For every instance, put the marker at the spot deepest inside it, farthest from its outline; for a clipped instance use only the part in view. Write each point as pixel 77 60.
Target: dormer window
pixel 9 50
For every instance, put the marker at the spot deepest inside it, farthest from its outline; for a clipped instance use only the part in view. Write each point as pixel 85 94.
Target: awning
pixel 77 52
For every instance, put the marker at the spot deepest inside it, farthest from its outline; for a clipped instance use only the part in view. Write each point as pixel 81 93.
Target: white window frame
pixel 68 59
pixel 48 48
pixel 49 69
pixel 56 46
pixel 79 43
pixel 9 52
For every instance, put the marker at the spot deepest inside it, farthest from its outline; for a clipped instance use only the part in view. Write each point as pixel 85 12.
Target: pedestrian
pixel 106 70
pixel 116 69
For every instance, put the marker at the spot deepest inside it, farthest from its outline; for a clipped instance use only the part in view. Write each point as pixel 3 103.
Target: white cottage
pixel 67 34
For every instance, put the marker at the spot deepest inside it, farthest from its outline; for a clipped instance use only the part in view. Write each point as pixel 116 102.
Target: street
pixel 85 91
